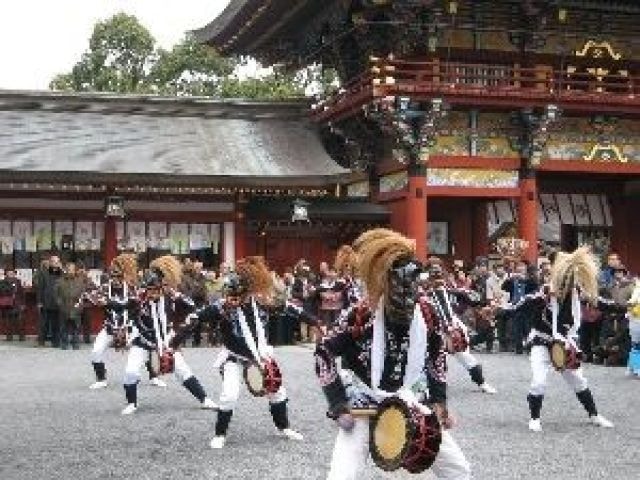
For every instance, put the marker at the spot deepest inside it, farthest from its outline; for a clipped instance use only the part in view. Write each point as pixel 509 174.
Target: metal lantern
pixel 300 212
pixel 114 207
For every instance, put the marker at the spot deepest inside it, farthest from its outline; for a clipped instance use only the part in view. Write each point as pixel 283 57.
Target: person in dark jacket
pixel 12 304
pixel 517 286
pixel 193 285
pixel 47 282
pixel 85 317
pixel 68 291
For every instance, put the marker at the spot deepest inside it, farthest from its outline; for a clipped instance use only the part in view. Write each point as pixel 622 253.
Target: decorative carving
pixel 597 50
pixel 394 182
pixel 535 134
pixel 533 15
pixel 512 248
pixel 413 126
pixel 354 143
pixel 471 177
pixel 606 153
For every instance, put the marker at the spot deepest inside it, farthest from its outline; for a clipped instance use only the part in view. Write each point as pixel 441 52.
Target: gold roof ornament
pixel 605 153
pixel 597 50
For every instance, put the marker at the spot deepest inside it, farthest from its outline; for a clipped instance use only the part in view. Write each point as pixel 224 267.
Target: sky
pixel 40 38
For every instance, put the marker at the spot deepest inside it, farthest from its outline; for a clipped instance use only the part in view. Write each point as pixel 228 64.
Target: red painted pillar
pixel 621 212
pixel 528 215
pixel 110 241
pixel 480 236
pixel 416 202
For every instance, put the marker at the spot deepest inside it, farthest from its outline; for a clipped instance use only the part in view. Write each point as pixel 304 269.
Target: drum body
pixel 456 340
pixel 166 362
pixel 262 379
pixel 564 356
pixel 120 338
pixel 403 436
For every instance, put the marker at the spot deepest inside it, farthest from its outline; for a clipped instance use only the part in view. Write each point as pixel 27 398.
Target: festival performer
pixel 301 295
pixel 152 333
pixel 633 364
pixel 345 265
pixel 556 313
pixel 455 333
pixel 386 345
pixel 241 320
pixel 118 297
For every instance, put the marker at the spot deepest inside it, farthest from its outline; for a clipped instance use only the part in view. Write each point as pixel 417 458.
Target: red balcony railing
pixel 484 84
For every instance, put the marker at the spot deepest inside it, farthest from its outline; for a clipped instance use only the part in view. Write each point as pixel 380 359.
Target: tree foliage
pixel 123 58
pixel 120 54
pixel 190 68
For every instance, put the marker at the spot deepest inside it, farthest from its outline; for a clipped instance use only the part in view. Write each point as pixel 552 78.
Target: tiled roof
pixel 209 142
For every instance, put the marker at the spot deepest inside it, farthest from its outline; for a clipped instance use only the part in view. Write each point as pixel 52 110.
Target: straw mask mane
pixel 171 269
pixel 377 250
pixel 127 263
pixel 255 271
pixel 575 269
pixel 346 260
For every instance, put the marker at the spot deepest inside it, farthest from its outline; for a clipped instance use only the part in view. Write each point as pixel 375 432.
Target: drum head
pixel 254 378
pixel 558 355
pixel 390 433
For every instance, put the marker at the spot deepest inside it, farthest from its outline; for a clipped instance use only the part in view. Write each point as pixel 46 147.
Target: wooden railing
pixel 542 83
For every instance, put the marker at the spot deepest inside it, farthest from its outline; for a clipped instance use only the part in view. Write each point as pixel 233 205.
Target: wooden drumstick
pixel 363 412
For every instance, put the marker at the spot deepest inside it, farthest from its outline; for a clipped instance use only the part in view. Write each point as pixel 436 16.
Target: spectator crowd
pixel 604 336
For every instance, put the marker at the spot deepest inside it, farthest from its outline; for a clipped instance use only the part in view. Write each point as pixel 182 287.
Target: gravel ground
pixel 53 427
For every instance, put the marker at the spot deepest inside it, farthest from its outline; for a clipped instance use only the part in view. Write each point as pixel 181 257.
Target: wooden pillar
pixel 528 214
pixel 241 239
pixel 110 241
pixel 620 230
pixel 480 237
pixel 240 231
pixel 374 184
pixel 416 202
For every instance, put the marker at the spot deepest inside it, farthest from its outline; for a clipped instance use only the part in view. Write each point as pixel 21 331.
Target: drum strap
pixel 576 312
pixel 259 349
pixel 415 356
pixel 125 312
pixel 159 316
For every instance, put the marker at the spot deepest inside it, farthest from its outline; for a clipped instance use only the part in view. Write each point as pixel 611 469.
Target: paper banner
pixel 19 244
pixel 179 235
pixel 31 244
pixel 6 245
pixel 215 237
pixel 119 230
pixel 5 228
pixel 137 236
pixel 157 234
pixel 62 227
pixel 84 232
pixel 43 234
pixel 199 237
pixel 21 229
pixel 99 230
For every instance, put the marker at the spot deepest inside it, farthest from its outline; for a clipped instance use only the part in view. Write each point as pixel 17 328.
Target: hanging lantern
pixel 114 207
pixel 300 212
